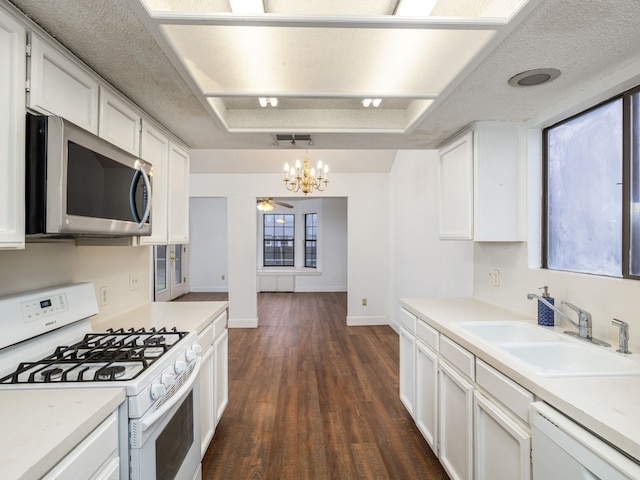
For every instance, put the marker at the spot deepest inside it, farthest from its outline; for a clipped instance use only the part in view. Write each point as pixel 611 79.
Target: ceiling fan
pixel 267 204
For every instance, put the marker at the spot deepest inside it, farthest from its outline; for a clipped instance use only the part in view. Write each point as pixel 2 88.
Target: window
pixel 311 240
pixel 278 240
pixel 592 190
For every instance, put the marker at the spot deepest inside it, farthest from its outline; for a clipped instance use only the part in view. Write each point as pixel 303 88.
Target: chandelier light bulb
pixel 366 102
pixel 274 101
pixel 263 101
pixel 376 102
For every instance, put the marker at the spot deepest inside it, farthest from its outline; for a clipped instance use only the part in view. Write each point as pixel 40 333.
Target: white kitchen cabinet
pixel 119 123
pixel 12 131
pixel 407 360
pixel 58 85
pixel 154 148
pixel 426 406
pixel 178 191
pixel 482 184
pixel 221 388
pixel 502 446
pixel 96 457
pixel 207 381
pixel 455 422
pixel 456 189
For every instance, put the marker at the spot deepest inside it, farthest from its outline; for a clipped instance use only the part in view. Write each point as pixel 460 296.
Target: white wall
pixel 422 264
pixel 367 247
pixel 42 265
pixel 208 245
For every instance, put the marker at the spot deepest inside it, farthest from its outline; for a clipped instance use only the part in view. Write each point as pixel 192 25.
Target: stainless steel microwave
pixel 77 184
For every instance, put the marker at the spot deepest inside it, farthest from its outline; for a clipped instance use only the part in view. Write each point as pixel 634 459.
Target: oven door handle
pixel 184 391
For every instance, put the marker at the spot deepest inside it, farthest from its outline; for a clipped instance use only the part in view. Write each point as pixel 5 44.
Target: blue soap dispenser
pixel 545 314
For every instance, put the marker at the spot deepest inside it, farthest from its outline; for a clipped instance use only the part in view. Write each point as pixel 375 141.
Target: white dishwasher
pixel 563 450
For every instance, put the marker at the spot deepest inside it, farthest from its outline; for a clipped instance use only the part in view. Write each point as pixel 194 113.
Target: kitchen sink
pixel 571 359
pixel 551 353
pixel 510 331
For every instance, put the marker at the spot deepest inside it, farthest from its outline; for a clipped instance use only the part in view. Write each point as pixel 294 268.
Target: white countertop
pixel 608 406
pixel 185 316
pixel 40 427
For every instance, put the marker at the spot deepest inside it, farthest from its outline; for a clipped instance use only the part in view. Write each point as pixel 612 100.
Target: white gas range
pixel 48 342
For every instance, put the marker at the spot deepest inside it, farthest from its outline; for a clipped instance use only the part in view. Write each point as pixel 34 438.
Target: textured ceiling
pixel 594 43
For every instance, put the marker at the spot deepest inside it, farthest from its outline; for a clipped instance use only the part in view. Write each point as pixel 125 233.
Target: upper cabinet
pixel 154 148
pixel 12 126
pixel 60 86
pixel 178 228
pixel 482 184
pixel 119 123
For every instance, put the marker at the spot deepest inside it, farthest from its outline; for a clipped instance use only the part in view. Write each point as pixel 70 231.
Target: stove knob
pixel 191 354
pixel 196 348
pixel 180 366
pixel 168 379
pixel 158 390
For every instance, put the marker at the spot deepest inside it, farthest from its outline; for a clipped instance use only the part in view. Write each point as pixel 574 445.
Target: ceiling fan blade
pixel 282 204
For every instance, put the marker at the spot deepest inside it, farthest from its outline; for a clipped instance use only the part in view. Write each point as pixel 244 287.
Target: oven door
pixel 165 444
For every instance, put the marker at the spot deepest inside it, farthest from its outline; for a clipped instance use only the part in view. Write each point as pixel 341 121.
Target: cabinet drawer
pixel 427 334
pixel 457 356
pixel 220 324
pixel 408 320
pixel 505 390
pixel 205 338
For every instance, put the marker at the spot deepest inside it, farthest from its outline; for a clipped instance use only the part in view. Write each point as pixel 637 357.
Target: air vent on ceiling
pixel 293 140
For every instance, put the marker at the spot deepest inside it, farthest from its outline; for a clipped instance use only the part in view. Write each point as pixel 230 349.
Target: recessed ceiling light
pixel 534 77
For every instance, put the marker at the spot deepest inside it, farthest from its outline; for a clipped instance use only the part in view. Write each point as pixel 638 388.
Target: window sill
pixel 263 272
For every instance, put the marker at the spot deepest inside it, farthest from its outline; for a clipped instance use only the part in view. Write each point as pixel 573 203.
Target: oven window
pixel 174 442
pixel 98 186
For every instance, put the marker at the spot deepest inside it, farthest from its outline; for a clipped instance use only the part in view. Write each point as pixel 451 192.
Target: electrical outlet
pixel 133 281
pixel 364 302
pixel 222 277
pixel 104 296
pixel 495 278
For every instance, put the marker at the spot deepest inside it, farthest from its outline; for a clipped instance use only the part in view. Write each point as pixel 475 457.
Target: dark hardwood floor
pixel 310 398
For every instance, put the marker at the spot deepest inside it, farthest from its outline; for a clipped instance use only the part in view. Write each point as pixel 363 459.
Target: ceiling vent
pixel 293 140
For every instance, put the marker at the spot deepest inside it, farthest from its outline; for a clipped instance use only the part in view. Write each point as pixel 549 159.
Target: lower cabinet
pixel 455 419
pixel 221 387
pixel 407 376
pixel 474 418
pixel 426 406
pixel 502 446
pixel 207 400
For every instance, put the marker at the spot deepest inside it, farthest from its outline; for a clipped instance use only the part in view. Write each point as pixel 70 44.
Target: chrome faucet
pixel 584 320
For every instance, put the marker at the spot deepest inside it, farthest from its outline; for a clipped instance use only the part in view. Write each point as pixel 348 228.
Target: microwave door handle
pixel 132 197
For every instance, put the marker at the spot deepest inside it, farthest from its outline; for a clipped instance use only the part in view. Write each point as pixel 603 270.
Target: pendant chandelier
pixel 303 177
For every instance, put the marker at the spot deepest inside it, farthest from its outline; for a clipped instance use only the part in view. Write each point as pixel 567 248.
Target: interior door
pixel 170 262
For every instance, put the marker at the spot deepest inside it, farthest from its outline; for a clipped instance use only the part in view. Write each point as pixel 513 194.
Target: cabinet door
pixel 456 189
pixel 502 448
pixel 455 421
pixel 119 122
pixel 426 407
pixel 178 189
pixel 59 86
pixel 207 400
pixel 154 149
pixel 12 125
pixel 221 348
pixel 407 369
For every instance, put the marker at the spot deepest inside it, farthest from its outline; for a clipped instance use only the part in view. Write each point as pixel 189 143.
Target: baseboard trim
pixel 243 323
pixel 327 289
pixel 362 321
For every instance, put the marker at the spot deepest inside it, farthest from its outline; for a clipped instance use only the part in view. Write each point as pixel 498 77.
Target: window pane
pixel 278 240
pixel 634 244
pixel 310 240
pixel 584 192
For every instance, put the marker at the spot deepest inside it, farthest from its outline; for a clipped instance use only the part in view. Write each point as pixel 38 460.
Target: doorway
pixel 170 264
